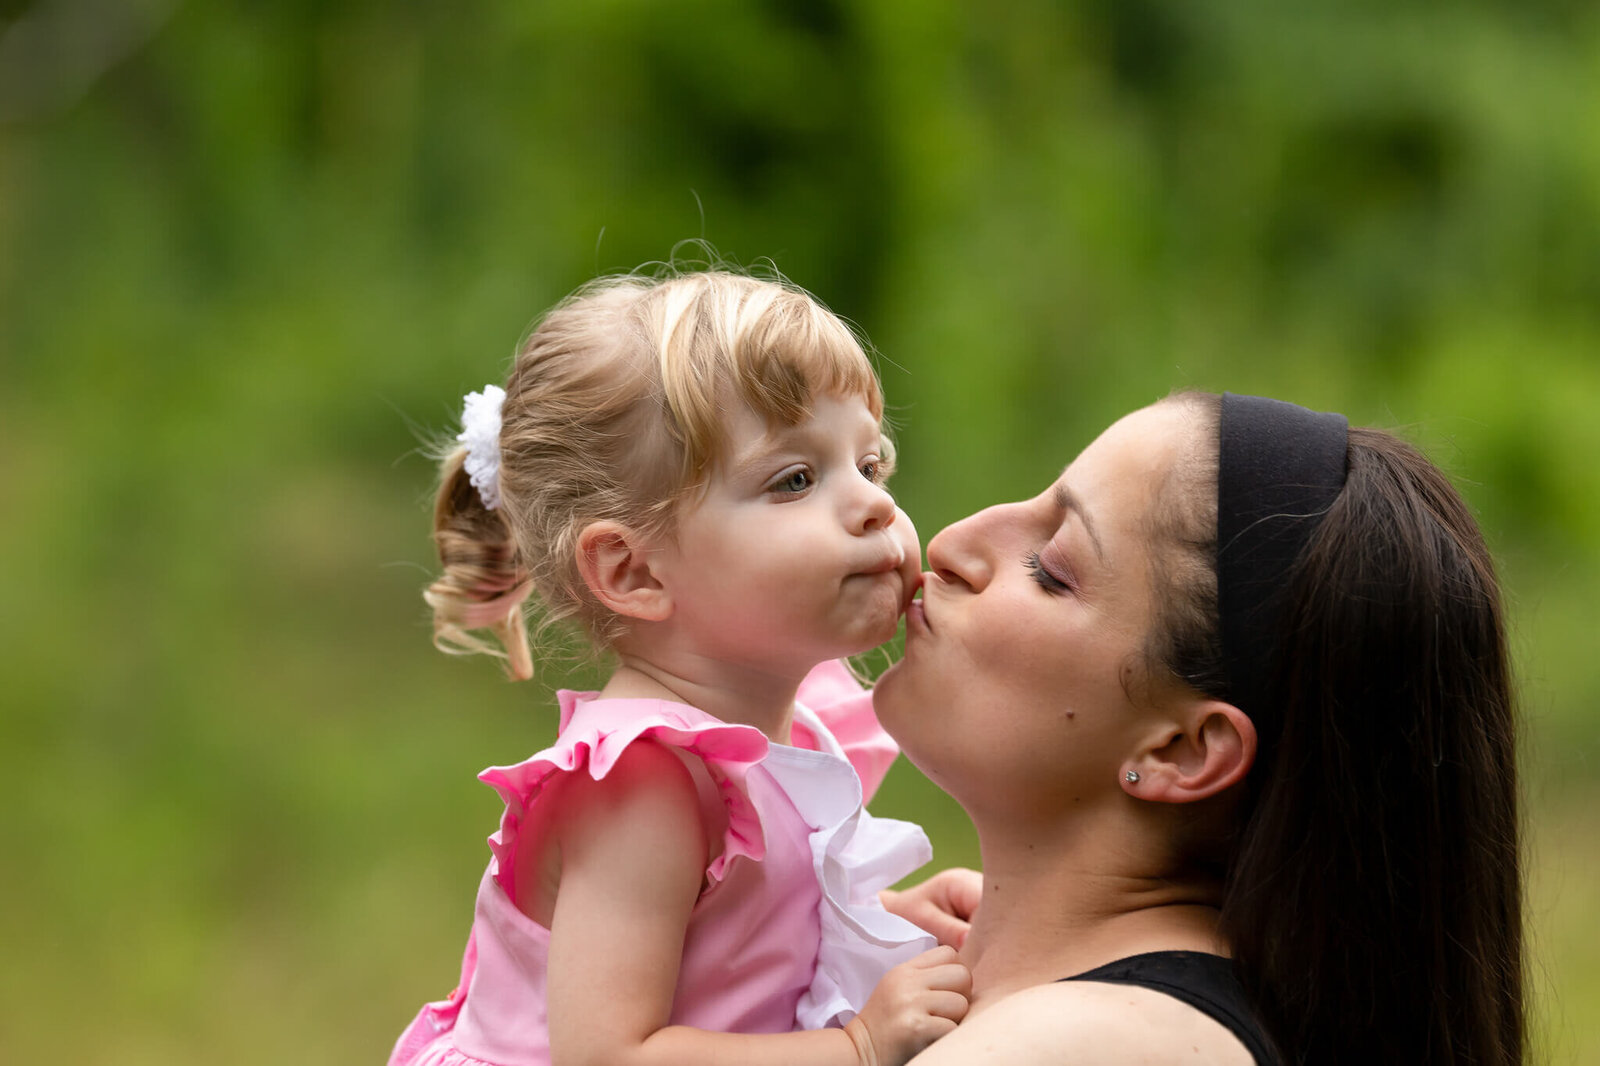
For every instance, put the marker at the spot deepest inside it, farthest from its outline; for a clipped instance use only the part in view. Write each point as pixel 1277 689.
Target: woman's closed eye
pixel 1049 581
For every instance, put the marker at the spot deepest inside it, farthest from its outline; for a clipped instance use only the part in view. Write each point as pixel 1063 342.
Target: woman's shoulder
pixel 1087 1023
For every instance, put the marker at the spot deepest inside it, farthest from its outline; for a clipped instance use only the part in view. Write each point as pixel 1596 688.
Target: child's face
pixel 796 554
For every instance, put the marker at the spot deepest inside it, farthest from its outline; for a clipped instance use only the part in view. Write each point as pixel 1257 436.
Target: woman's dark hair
pixel 1373 894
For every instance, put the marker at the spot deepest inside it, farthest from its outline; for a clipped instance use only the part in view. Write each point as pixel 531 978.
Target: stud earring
pixel 1131 777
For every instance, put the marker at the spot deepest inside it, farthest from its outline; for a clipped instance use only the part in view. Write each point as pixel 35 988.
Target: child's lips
pixel 883 565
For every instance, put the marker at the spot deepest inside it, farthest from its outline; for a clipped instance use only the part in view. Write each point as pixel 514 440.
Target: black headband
pixel 1279 470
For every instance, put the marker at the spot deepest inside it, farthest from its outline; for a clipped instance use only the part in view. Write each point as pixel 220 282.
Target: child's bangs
pixel 794 352
pixel 772 348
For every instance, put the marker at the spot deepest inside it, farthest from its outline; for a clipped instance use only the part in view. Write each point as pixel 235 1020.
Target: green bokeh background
pixel 252 253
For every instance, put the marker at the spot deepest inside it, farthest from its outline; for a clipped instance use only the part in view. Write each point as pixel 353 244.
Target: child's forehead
pixel 745 433
pixel 748 423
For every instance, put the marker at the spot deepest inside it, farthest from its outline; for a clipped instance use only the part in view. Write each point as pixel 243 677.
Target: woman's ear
pixel 1208 751
pixel 615 563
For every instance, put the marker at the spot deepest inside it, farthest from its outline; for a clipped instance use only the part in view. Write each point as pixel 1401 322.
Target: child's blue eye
pixel 795 481
pixel 877 469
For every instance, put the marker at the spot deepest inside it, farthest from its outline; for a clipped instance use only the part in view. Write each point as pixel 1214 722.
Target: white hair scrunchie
pixel 480 432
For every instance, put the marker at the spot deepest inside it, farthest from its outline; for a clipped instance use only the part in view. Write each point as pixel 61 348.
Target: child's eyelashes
pixel 801 479
pixel 793 482
pixel 1046 580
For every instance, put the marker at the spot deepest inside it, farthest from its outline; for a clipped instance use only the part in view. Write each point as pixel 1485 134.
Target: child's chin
pixel 874 619
pixel 864 637
pixel 883 632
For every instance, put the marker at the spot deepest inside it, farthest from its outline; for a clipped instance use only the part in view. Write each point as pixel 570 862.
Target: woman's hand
pixel 942 905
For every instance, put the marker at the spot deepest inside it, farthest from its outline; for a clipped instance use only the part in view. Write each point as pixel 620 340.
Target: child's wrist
pixel 861 1038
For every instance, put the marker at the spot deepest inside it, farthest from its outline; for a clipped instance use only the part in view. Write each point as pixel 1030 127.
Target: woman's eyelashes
pixel 1045 578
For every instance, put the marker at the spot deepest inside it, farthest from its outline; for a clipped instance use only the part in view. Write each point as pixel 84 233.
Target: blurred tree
pixel 251 253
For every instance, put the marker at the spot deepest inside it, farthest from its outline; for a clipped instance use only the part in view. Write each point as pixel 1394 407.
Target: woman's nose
pixel 963 552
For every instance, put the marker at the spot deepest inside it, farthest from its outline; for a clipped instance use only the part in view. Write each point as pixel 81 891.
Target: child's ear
pixel 1205 750
pixel 615 563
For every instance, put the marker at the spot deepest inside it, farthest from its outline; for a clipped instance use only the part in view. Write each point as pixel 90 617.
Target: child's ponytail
pixel 484 582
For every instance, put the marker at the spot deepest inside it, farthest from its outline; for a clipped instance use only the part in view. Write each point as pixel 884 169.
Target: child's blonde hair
pixel 613 412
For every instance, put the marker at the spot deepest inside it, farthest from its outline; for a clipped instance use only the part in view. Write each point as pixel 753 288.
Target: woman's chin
pixel 904 717
pixel 888 692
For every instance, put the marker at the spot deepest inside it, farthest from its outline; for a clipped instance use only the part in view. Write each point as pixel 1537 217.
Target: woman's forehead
pixel 1127 464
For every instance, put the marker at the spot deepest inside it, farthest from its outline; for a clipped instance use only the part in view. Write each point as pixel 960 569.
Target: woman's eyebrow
pixel 1069 503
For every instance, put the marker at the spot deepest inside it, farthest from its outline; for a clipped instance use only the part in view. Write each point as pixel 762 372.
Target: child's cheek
pixel 911 565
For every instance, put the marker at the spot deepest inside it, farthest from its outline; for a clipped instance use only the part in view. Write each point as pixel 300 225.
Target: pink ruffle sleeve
pixel 593 737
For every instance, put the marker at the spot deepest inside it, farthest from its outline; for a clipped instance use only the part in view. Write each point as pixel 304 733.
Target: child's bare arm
pixel 632 858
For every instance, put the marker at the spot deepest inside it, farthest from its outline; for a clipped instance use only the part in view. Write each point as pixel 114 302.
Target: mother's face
pixel 1024 654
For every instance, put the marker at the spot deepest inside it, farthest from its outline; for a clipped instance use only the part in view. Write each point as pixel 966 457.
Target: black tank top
pixel 1205 982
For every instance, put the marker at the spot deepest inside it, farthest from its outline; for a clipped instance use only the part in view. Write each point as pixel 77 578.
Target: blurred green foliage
pixel 251 254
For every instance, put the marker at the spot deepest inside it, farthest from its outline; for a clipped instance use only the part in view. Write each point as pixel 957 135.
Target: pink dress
pixel 788 934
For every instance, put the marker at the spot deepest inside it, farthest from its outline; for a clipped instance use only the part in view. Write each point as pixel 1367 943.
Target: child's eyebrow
pixel 778 438
pixel 761 453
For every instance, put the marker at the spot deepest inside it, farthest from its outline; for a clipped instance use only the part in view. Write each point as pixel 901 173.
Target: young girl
pixel 693 470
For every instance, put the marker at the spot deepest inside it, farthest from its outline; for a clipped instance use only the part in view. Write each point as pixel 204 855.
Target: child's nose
pixel 877 508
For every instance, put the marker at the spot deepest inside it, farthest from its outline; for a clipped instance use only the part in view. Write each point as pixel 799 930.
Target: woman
pixel 1234 687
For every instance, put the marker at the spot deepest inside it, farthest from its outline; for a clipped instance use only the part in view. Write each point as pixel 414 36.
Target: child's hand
pixel 915 1004
pixel 942 905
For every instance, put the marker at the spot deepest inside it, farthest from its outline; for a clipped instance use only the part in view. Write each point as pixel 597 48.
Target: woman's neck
pixel 732 694
pixel 1055 908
